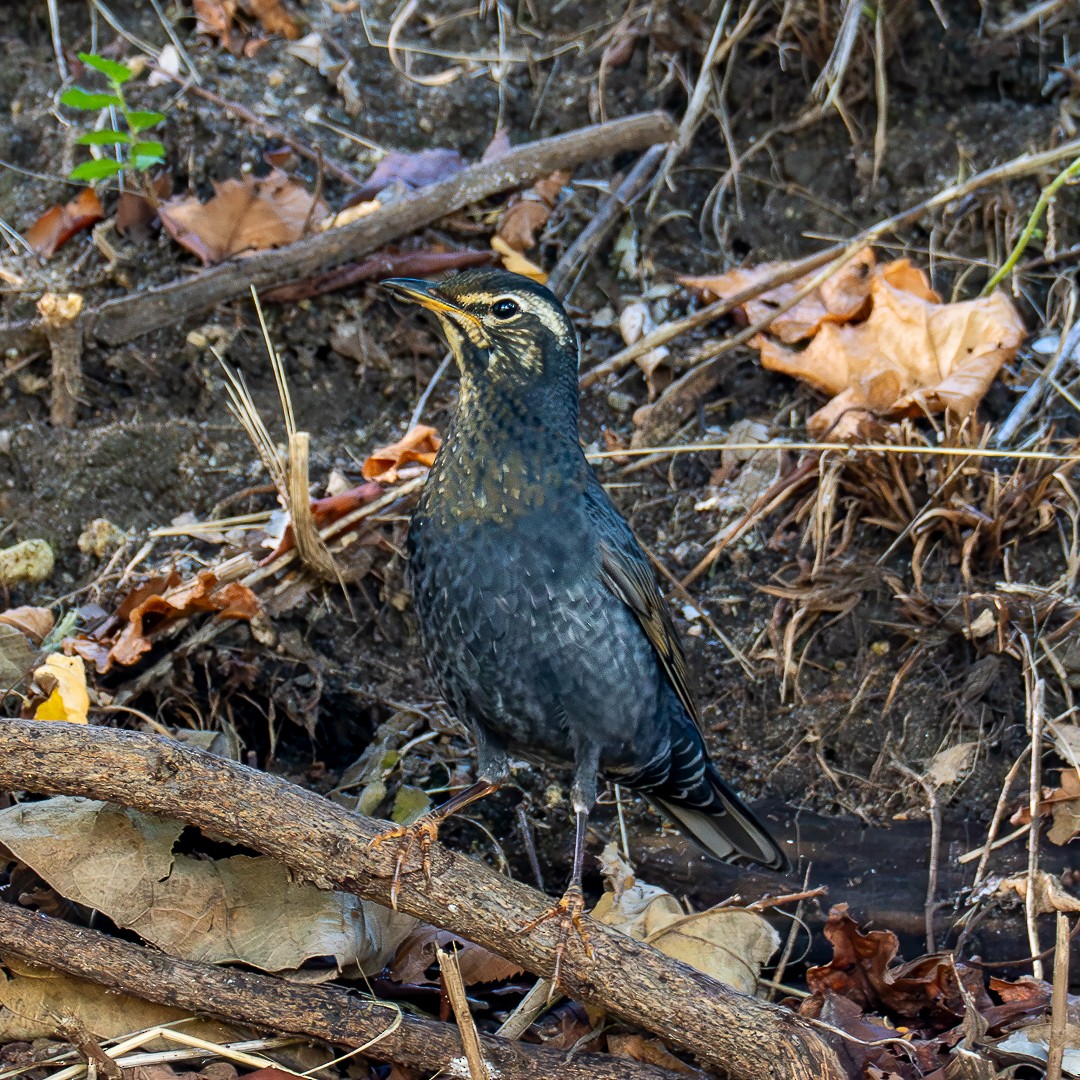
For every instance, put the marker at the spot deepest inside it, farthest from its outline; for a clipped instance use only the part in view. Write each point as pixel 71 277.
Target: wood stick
pixel 64 327
pixel 324 843
pixel 330 1013
pixel 126 318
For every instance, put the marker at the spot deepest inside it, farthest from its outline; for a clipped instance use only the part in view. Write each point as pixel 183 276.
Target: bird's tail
pixel 720 823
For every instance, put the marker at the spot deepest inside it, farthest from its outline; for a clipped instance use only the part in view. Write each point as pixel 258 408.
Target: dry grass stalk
pixel 455 991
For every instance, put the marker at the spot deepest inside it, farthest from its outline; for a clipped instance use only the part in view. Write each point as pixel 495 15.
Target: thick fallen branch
pixel 747 1038
pixel 128 317
pixel 330 1013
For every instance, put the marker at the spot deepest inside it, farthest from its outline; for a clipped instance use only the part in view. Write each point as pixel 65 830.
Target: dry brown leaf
pixel 152 608
pixel 418 447
pixel 526 216
pixel 217 19
pixel 880 341
pixel 950 764
pixel 730 944
pixel 910 356
pixel 135 212
pixel 35 622
pixel 34 1002
pixel 240 909
pixel 244 216
pixel 17 657
pixel 1050 894
pixel 1063 804
pixel 418 953
pixel 840 299
pixel 651 1051
pixel 60 223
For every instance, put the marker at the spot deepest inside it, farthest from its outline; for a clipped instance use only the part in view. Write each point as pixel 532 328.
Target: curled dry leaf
pixel 243 216
pixel 1050 894
pixel 635 321
pixel 35 622
pixel 882 342
pixel 730 944
pixel 417 954
pixel 526 215
pixel 152 608
pixel 60 223
pixel 63 678
pixel 418 447
pixel 240 909
pixel 1062 804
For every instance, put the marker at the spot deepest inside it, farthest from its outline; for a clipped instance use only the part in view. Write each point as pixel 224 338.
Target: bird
pixel 538 610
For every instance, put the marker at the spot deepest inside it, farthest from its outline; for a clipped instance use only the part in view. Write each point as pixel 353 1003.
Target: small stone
pixel 101 538
pixel 28 563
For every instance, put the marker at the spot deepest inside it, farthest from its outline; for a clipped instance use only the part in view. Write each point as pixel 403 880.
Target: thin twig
pixel 459 1002
pixel 1059 1001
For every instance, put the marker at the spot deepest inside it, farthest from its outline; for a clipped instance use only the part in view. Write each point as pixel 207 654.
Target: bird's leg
pixel 571 907
pixel 492 769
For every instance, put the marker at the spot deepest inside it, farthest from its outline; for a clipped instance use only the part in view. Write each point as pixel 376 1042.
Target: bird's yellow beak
pixel 426 294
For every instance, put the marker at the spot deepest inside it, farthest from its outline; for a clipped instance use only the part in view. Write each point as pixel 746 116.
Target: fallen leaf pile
pixel 244 216
pixel 390 464
pixel 728 943
pixel 240 909
pixel 907 1018
pixel 152 608
pixel 60 223
pixel 879 340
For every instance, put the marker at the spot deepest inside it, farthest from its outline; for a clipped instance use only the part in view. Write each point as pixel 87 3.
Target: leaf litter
pixel 879 340
pixel 239 909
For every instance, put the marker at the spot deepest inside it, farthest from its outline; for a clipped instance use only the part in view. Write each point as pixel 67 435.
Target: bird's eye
pixel 505 308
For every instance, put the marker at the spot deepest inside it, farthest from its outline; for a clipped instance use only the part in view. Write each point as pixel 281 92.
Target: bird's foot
pixel 569 911
pixel 424 831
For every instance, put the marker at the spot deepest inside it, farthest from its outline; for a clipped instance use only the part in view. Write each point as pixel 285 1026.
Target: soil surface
pixel 886 677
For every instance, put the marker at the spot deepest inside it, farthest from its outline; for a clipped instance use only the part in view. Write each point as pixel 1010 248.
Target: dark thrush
pixel 538 609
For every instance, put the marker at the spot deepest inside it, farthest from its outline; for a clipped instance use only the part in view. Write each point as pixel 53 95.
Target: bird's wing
pixel 627 573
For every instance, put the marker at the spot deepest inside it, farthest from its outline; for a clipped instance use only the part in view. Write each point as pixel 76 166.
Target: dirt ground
pixel 887 675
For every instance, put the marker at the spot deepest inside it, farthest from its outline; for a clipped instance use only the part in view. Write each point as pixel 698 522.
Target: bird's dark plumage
pixel 538 609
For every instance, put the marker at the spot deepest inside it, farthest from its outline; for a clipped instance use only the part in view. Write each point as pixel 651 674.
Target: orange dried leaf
pixel 880 342
pixel 419 447
pixel 524 218
pixel 273 16
pixel 57 226
pixel 243 216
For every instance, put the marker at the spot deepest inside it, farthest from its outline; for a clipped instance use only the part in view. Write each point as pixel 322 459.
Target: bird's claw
pixel 424 831
pixel 569 911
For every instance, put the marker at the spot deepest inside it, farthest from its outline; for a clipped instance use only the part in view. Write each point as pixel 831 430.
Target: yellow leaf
pixel 516 263
pixel 69 699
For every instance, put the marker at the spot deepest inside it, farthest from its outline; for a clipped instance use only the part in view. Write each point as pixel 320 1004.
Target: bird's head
pixel 504 330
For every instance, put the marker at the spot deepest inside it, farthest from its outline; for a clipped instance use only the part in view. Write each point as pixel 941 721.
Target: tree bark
pixel 330 1013
pixel 747 1038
